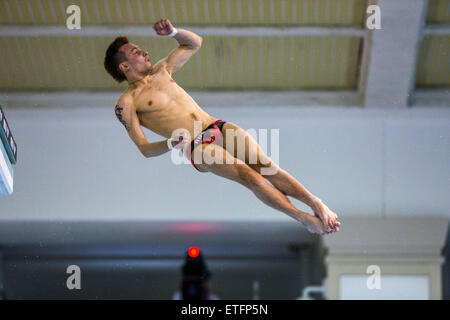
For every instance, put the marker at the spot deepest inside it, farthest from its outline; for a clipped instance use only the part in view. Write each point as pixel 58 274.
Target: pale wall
pixel 79 164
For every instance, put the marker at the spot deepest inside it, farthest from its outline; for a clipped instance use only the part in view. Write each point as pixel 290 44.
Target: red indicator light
pixel 193 252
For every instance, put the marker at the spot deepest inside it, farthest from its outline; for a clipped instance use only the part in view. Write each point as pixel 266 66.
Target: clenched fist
pixel 163 27
pixel 181 138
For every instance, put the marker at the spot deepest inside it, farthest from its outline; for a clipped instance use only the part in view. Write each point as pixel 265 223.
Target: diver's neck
pixel 139 80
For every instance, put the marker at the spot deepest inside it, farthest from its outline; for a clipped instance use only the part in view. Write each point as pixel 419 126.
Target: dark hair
pixel 113 58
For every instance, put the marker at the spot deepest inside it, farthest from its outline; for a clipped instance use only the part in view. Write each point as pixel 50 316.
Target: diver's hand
pixel 163 27
pixel 180 141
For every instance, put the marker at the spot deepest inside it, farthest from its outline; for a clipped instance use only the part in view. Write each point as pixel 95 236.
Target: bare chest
pixel 157 95
pixel 161 105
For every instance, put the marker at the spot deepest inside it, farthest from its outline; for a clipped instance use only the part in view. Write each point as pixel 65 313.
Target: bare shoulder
pixel 125 100
pixel 123 108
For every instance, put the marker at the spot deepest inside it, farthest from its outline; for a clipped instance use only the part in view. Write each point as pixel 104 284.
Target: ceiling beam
pixel 390 54
pixel 41 30
pixel 441 29
pixel 22 30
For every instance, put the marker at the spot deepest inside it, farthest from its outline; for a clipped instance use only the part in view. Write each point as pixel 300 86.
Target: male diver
pixel 155 101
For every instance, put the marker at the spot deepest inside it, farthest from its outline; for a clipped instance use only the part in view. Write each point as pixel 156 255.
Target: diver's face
pixel 137 59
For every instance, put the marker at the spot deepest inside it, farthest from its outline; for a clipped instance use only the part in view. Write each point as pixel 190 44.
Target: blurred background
pixel 364 124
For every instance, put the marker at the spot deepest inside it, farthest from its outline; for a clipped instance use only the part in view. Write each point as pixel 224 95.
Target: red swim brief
pixel 212 133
